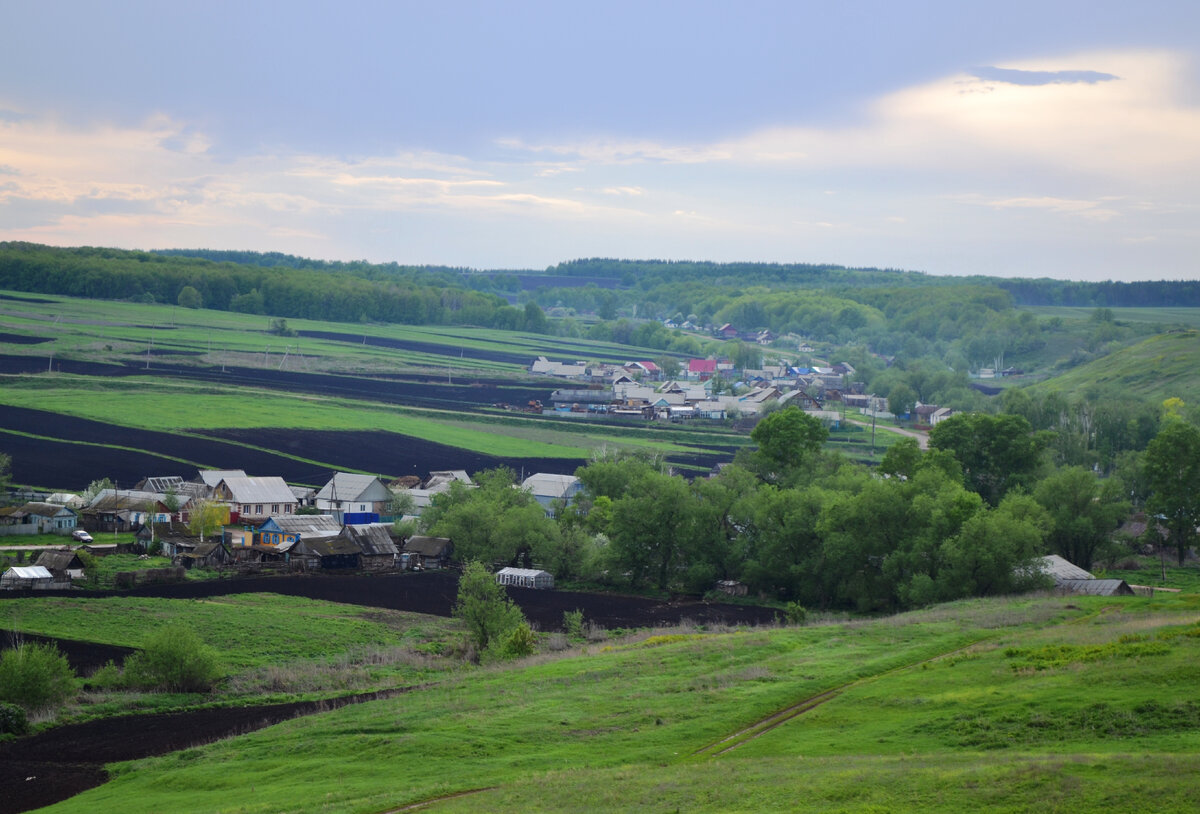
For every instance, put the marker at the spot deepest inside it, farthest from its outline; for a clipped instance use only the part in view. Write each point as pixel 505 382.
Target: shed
pixel 329 553
pixel 378 550
pixel 431 552
pixel 1095 587
pixel 204 555
pixel 28 576
pixel 62 563
pixel 525 578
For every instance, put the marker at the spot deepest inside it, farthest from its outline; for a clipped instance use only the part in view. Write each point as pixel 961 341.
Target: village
pixel 229 522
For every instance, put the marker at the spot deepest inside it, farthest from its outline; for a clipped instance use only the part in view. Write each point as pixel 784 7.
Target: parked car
pixel 79 535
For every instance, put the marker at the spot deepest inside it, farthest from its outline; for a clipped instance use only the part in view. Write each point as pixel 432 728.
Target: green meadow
pixel 1046 703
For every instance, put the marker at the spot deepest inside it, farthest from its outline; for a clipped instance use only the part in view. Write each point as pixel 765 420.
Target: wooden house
pixel 428 552
pixel 378 551
pixel 255 499
pixel 204 555
pixel 327 554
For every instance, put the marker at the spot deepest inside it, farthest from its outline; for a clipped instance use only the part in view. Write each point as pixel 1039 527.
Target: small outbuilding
pixel 428 552
pixel 64 563
pixel 27 576
pixel 525 578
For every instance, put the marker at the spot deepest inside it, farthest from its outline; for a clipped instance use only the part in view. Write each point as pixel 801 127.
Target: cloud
pixel 624 191
pixel 1093 210
pixel 1015 76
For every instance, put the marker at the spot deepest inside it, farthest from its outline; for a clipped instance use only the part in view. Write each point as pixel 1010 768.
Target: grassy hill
pixel 1151 370
pixel 1049 704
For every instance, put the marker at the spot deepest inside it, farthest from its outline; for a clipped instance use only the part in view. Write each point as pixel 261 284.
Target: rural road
pixel 922 438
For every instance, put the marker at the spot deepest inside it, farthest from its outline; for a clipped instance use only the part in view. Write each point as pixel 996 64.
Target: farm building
pixel 64 564
pixel 204 555
pixel 329 553
pixel 428 552
pixel 379 551
pixel 547 488
pixel 28 576
pixel 1072 578
pixel 525 578
pixel 277 531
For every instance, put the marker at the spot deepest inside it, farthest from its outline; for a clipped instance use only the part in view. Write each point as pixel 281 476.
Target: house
pixel 204 555
pixel 123 510
pixel 49 518
pixel 353 498
pixel 255 499
pixel 64 564
pixel 26 577
pixel 67 499
pixel 525 578
pixel 437 483
pixel 547 489
pixel 727 331
pixel 428 552
pixel 701 369
pixel 177 542
pixel 378 552
pixel 283 531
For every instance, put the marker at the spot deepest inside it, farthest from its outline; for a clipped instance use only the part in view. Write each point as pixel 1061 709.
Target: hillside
pixel 1154 369
pixel 1013 704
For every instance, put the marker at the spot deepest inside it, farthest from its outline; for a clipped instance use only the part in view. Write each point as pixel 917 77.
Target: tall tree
pixel 1084 512
pixel 786 440
pixel 1171 466
pixel 997 452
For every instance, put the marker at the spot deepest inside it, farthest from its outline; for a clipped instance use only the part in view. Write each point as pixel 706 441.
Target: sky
pixel 1017 139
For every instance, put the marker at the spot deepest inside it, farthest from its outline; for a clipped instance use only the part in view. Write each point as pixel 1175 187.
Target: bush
pixel 573 624
pixel 174 659
pixel 519 642
pixel 13 720
pixel 36 676
pixel 796 613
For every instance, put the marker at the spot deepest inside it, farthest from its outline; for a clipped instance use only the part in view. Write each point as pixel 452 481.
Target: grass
pixel 1154 369
pixel 619 726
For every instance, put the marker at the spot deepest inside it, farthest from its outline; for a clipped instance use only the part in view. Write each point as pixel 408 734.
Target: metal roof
pixel 213 477
pixel 546 485
pixel 271 489
pixel 316 525
pixel 1060 569
pixel 351 486
pixel 30 572
pixel 1096 587
pixel 372 538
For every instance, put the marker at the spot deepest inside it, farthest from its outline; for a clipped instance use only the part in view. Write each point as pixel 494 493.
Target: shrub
pixel 36 676
pixel 796 613
pixel 174 659
pixel 519 642
pixel 485 608
pixel 573 624
pixel 13 720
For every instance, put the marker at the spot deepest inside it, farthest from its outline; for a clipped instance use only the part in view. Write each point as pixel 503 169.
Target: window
pixel 258 509
pixel 275 509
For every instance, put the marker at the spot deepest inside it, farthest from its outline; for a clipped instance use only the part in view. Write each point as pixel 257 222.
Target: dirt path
pixel 922 437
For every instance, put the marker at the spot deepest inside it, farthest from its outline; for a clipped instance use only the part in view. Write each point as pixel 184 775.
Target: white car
pixel 81 536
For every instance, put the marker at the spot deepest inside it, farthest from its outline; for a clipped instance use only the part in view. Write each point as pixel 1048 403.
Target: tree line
pixel 968 517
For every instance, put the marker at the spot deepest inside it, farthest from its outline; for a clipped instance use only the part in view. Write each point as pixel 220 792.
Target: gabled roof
pixel 1096 587
pixel 428 546
pixel 59 560
pixel 543 484
pixel 46 509
pixel 110 500
pixel 332 546
pixel 271 489
pixel 213 477
pixel 161 484
pixel 30 572
pixel 1059 568
pixel 350 486
pixel 372 539
pixel 702 365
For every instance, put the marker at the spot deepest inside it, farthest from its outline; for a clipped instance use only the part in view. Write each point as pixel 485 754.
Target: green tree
pixel 651 527
pixel 1171 467
pixel 1084 511
pixel 901 399
pixel 207 517
pixel 997 452
pixel 535 319
pixel 5 470
pixel 786 440
pixel 174 659
pixel 36 676
pixel 484 607
pixel 189 297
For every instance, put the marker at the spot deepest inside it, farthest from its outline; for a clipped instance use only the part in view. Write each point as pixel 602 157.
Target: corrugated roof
pixel 546 485
pixel 349 486
pixel 212 477
pixel 1096 587
pixel 46 509
pixel 271 489
pixel 1060 568
pixel 372 538
pixel 316 525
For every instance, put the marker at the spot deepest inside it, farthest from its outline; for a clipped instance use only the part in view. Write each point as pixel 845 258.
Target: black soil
pixel 85 658
pixel 62 762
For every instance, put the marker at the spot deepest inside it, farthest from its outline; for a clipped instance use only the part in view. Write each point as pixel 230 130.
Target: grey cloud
pixel 1016 77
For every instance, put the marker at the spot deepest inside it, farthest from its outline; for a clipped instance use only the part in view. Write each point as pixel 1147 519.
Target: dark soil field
pixel 434 592
pixel 85 658
pixel 59 763
pixel 24 339
pixel 434 348
pixel 62 762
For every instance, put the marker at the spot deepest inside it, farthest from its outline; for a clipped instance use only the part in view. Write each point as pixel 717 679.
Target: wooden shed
pixel 378 550
pixel 429 552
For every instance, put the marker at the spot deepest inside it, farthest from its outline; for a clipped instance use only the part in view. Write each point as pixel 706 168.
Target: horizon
pixel 1051 140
